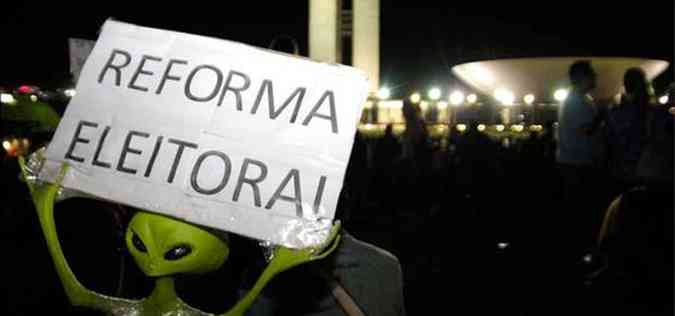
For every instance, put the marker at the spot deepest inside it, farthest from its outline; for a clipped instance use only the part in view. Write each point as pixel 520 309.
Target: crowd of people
pixel 573 220
pixel 492 217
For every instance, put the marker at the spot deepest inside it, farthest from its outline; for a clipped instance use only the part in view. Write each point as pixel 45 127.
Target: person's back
pixel 476 152
pixel 387 155
pixel 627 127
pixel 371 277
pixel 414 143
pixel 387 149
pixel 637 238
pixel 624 139
pixel 656 160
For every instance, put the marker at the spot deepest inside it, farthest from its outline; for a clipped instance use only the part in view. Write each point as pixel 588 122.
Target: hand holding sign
pixel 216 133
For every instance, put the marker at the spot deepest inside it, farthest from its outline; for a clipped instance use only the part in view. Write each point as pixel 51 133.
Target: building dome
pixel 542 77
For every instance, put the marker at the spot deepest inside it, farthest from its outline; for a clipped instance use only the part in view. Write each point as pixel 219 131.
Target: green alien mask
pixel 162 247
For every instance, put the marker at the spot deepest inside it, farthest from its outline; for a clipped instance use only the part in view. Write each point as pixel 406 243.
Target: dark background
pixel 420 40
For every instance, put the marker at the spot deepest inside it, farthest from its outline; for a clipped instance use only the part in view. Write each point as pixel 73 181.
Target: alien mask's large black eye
pixel 138 244
pixel 178 252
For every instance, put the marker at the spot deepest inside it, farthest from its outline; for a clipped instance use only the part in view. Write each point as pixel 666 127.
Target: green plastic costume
pixel 163 247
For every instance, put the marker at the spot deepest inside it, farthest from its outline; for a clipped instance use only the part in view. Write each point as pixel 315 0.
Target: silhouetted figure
pixel 414 167
pixel 548 142
pixel 656 160
pixel 476 152
pixel 577 119
pixel 627 130
pixel 387 153
pixel 387 149
pixel 415 149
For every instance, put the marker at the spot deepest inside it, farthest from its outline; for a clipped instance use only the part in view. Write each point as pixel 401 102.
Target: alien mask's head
pixel 164 246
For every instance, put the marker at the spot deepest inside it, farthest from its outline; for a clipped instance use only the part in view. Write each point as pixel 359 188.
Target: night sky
pixel 420 40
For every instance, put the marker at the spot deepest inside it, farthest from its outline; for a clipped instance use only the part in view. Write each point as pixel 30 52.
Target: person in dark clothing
pixel 626 130
pixel 387 154
pixel 637 242
pixel 387 149
pixel 476 165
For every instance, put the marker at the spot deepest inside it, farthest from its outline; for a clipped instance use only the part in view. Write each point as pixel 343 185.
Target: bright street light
pixel 663 99
pixel 434 93
pixel 560 95
pixel 415 97
pixel 471 98
pixel 529 99
pixel 457 98
pixel 504 96
pixel 7 98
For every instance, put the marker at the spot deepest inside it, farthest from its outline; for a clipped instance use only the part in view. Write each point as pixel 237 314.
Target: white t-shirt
pixel 575 148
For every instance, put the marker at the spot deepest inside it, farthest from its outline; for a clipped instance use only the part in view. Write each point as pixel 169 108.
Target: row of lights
pixel 504 96
pixel 500 128
pixel 480 127
pixel 457 97
pixel 8 98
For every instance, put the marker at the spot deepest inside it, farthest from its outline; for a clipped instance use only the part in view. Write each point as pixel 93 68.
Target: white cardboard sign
pixel 214 132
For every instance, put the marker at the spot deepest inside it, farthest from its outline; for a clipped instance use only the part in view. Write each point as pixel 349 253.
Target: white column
pixel 366 39
pixel 324 30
